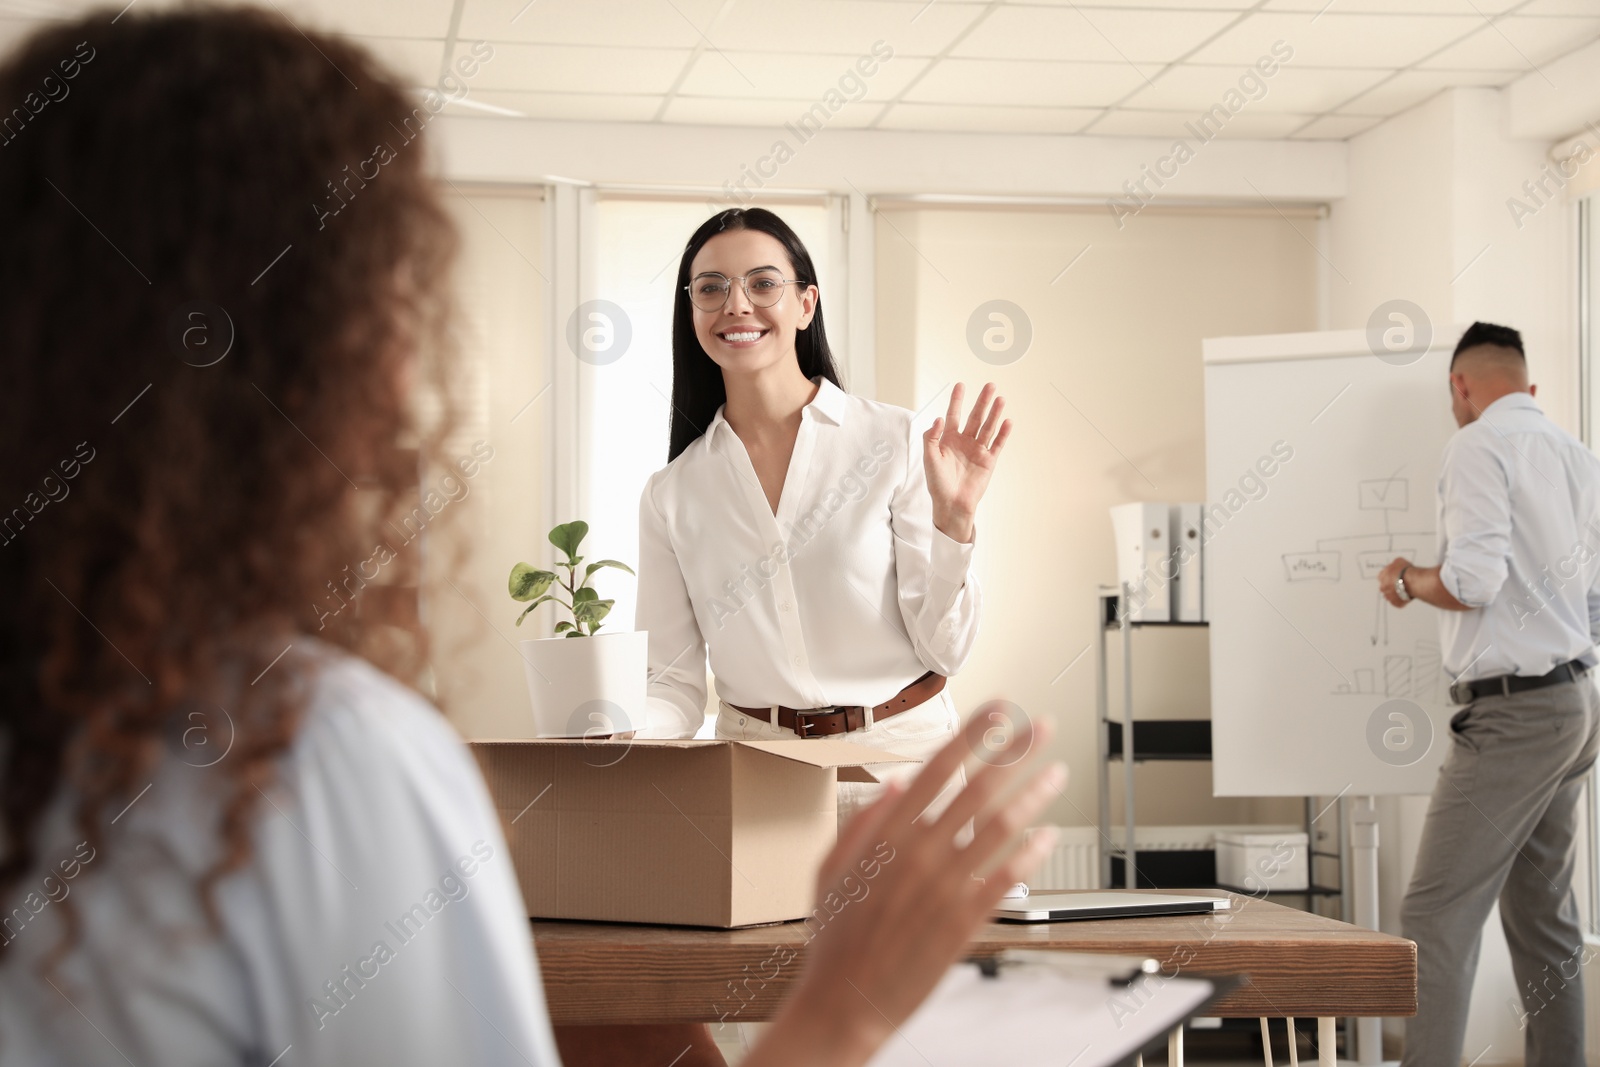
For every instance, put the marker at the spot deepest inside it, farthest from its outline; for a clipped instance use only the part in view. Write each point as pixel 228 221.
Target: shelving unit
pixel 1171 740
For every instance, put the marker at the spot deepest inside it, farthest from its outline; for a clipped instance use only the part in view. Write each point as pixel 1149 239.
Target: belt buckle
pixel 802 723
pixel 1461 692
pixel 802 720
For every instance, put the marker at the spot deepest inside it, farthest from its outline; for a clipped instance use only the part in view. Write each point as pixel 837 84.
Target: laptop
pixel 1104 904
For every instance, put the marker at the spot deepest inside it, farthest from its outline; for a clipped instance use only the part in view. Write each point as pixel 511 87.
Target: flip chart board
pixel 1322 463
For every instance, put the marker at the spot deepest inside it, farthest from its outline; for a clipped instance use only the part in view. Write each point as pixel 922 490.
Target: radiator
pixel 1074 863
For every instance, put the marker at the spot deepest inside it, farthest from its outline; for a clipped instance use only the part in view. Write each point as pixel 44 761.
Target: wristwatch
pixel 1400 584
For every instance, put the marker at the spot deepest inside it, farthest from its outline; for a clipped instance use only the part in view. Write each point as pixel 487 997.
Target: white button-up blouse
pixel 845 596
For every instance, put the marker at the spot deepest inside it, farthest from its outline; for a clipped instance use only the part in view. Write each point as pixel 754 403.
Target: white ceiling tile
pixel 372 18
pixel 844 27
pixel 365 18
pixel 578 68
pixel 1153 5
pixel 417 62
pixel 1089 34
pixel 1515 43
pixel 1561 7
pixel 587 107
pixel 1303 90
pixel 50 10
pixel 1338 40
pixel 1337 127
pixel 1045 66
pixel 781 76
pixel 1123 122
pixel 1024 82
pixel 1409 88
pixel 1475 8
pixel 679 24
pixel 716 111
pixel 987 119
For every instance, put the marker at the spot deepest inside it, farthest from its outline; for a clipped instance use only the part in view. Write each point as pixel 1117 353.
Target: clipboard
pixel 1028 1008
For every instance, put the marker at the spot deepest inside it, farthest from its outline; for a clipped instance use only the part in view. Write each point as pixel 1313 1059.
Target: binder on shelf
pixel 1188 596
pixel 1143 534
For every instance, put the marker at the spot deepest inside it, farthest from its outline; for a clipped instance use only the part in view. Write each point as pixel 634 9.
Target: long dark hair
pixel 697 386
pixel 178 507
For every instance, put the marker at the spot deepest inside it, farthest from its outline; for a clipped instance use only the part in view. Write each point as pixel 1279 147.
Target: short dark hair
pixel 1487 333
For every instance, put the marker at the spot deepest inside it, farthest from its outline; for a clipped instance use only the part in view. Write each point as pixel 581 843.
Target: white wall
pixel 1389 236
pixel 1108 408
pixel 881 161
pixel 1424 219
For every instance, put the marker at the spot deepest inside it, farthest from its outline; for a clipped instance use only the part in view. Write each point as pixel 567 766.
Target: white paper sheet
pixel 1037 1013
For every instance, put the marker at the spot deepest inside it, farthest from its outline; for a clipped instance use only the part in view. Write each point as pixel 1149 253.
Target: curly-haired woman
pixel 179 504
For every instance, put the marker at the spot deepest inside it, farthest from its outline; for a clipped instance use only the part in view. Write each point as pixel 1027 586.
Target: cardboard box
pixel 1263 861
pixel 697 833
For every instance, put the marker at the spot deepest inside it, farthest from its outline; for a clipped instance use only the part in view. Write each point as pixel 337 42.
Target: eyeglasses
pixel 763 288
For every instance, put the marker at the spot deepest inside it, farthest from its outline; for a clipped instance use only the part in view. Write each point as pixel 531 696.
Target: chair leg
pixel 1326 1045
pixel 1266 1042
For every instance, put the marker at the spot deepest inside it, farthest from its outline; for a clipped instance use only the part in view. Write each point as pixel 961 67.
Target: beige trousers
pixel 918 732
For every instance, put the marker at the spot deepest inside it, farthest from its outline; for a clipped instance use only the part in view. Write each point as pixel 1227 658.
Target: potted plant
pixel 588 687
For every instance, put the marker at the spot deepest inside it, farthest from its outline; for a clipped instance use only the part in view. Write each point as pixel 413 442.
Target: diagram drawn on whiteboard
pixel 1415 672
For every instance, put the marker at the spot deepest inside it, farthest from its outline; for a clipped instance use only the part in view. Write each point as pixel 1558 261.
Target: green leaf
pixel 527 582
pixel 576 633
pixel 535 604
pixel 592 610
pixel 606 563
pixel 569 535
pixel 583 594
pixel 560 626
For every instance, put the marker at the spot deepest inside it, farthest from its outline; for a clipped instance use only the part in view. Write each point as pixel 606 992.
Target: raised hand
pixel 959 462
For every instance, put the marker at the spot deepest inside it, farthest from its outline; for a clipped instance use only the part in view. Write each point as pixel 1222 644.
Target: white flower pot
pixel 585 686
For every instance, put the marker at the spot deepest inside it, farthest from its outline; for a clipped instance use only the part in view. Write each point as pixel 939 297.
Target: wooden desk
pixel 1299 964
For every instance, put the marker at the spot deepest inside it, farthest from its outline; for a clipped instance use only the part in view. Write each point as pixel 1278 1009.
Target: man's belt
pixel 838 719
pixel 1506 684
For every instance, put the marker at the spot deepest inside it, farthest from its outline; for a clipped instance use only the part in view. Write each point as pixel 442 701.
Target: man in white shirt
pixel 1516 585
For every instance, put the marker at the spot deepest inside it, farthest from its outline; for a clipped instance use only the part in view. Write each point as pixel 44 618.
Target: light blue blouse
pixel 379 920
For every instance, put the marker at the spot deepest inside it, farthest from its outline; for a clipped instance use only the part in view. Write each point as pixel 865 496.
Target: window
pixel 625 405
pixel 499 511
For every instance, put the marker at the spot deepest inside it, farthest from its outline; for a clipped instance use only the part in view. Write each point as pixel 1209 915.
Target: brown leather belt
pixel 839 719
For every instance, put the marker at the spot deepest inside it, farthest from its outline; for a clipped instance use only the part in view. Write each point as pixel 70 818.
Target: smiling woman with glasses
pixel 812 545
